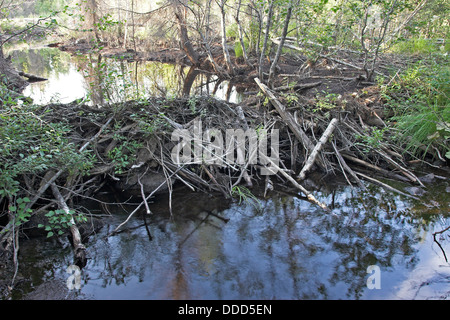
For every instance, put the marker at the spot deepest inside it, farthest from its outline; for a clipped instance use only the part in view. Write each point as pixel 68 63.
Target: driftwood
pixel 32 77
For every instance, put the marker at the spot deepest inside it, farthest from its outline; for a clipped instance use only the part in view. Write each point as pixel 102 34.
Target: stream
pixel 374 244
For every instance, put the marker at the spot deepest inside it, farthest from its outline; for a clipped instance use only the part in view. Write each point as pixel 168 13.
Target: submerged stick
pixel 385 185
pixel 298 186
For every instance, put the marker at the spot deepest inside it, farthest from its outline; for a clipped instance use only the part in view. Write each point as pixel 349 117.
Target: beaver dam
pixel 274 140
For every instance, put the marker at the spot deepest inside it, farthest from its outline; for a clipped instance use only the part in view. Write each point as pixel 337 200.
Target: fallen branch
pixel 299 86
pixel 287 117
pixel 384 185
pixel 79 248
pixel 298 186
pixel 312 157
pixel 404 171
pixel 31 77
pixel 382 171
pixel 347 168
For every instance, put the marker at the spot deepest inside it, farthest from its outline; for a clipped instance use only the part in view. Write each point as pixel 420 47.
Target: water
pixel 279 247
pixel 101 80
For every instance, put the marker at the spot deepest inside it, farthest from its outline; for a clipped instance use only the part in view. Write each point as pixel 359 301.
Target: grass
pixel 419 97
pixel 421 46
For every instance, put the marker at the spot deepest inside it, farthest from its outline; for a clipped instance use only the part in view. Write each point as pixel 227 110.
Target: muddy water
pixel 279 247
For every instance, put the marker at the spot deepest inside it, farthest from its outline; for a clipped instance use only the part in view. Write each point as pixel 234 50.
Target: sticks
pixel 287 117
pixel 312 157
pixel 298 186
pixel 347 168
pixel 79 248
pixel 384 185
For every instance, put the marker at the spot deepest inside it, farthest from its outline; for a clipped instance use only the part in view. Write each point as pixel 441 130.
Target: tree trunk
pixel 280 47
pixel 186 44
pixel 266 37
pixel 241 33
pixel 226 54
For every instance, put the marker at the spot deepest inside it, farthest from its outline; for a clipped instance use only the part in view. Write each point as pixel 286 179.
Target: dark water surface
pixel 281 247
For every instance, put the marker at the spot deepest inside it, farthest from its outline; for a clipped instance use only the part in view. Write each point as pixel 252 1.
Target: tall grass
pixel 420 101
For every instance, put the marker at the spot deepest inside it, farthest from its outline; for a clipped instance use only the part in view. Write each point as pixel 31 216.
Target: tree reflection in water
pixel 285 248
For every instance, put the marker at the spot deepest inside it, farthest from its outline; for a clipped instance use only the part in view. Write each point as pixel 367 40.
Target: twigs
pixel 440 246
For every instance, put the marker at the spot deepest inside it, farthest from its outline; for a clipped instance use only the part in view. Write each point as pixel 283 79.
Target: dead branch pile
pixel 133 146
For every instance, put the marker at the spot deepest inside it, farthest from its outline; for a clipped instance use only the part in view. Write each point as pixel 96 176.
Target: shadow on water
pixel 280 247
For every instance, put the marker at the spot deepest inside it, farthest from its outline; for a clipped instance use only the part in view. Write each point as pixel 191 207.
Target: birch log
pixel 287 117
pixel 79 248
pixel 312 157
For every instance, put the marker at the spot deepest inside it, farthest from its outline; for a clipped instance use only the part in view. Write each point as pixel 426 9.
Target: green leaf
pixel 50 214
pixel 49 234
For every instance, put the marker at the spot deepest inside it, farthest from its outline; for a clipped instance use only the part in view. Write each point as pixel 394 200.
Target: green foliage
pixel 420 46
pixel 372 139
pixel 244 194
pixel 59 221
pixel 420 100
pixel 124 153
pixel 18 208
pixel 32 145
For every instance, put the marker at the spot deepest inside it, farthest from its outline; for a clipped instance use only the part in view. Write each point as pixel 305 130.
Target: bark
pixel 312 157
pixel 186 44
pixel 280 46
pixel 266 38
pixel 79 248
pixel 226 53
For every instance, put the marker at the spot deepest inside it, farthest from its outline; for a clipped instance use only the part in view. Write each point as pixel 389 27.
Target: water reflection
pixel 281 248
pixel 103 80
